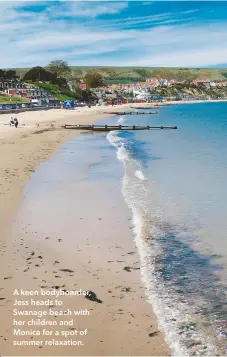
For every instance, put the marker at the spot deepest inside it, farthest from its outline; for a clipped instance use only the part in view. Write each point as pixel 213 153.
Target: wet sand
pixel 92 258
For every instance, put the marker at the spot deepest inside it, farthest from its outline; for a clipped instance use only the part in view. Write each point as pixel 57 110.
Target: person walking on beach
pixel 16 122
pixel 11 123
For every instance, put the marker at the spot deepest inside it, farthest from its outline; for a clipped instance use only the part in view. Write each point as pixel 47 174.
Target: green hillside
pixel 5 99
pixel 133 74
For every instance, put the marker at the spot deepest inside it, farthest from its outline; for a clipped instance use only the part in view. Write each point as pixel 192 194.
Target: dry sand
pixel 124 323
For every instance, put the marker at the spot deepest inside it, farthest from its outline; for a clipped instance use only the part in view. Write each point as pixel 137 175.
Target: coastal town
pixel 40 87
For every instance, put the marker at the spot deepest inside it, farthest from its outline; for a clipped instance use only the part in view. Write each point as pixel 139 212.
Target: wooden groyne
pixel 130 113
pixel 115 127
pixel 144 108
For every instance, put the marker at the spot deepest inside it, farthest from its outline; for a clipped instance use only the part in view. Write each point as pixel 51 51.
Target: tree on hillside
pixel 2 73
pixel 87 95
pixel 224 74
pixel 10 74
pixel 36 74
pixel 59 68
pixel 144 73
pixel 93 79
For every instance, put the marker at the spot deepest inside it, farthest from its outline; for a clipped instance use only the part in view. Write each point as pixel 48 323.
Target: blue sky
pixel 117 33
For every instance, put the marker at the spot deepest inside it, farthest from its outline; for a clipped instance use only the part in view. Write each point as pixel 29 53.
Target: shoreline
pixel 108 107
pixel 22 151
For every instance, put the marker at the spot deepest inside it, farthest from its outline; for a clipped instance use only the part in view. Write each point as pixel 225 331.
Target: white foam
pixel 115 140
pixel 140 175
pixel 122 120
pixel 172 314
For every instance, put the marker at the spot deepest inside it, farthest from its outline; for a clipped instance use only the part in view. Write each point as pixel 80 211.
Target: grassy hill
pixel 5 99
pixel 58 93
pixel 133 74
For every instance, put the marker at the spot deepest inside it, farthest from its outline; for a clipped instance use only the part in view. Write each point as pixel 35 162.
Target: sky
pixel 113 33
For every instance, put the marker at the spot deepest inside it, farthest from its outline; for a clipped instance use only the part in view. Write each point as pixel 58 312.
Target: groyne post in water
pixel 115 127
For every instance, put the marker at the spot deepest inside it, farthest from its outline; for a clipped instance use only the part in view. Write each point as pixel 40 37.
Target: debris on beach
pixel 93 297
pixel 152 334
pixel 126 290
pixel 128 269
pixel 67 270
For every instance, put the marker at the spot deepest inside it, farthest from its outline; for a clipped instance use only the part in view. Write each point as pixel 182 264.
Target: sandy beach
pixel 124 323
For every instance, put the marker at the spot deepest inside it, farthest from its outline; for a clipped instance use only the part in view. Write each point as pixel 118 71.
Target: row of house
pixel 29 93
pixel 141 89
pixel 11 84
pixel 15 88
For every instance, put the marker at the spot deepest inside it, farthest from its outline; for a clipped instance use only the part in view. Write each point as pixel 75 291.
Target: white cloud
pixel 94 10
pixel 29 38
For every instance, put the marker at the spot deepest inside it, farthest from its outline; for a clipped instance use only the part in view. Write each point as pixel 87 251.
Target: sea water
pixel 175 184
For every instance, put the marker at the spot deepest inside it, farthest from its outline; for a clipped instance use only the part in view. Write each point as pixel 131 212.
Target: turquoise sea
pixel 174 182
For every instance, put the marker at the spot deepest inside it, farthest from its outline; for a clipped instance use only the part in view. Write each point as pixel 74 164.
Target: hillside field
pixel 5 99
pixel 134 74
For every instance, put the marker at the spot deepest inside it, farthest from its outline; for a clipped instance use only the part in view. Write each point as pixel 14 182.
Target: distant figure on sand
pixel 11 123
pixel 16 122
